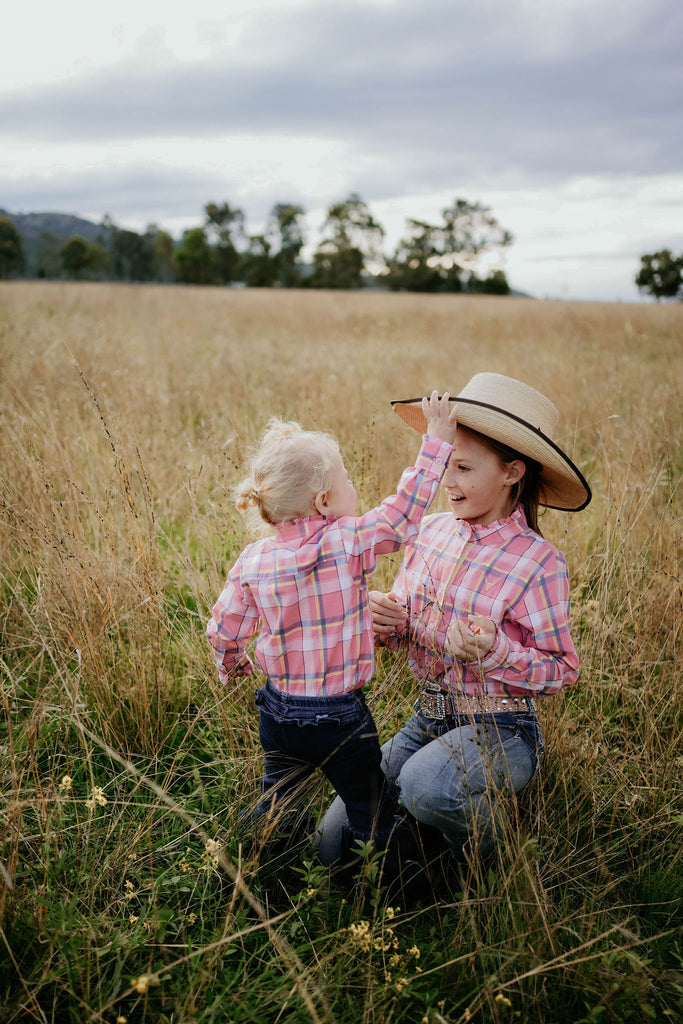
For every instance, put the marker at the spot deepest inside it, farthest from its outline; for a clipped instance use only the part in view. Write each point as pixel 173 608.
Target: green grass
pixel 127 888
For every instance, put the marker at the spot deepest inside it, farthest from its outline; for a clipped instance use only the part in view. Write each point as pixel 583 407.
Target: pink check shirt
pixel 304 590
pixel 505 572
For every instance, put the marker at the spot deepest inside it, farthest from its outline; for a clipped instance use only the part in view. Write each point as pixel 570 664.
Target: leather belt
pixel 438 704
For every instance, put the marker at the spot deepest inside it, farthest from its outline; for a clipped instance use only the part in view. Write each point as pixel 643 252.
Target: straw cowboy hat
pixel 522 418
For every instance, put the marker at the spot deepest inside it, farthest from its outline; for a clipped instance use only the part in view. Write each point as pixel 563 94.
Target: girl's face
pixel 340 498
pixel 477 483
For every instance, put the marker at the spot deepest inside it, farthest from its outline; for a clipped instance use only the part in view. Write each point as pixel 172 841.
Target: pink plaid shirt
pixel 505 572
pixel 304 590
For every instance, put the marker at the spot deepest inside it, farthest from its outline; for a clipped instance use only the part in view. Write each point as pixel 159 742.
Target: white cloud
pixel 75 37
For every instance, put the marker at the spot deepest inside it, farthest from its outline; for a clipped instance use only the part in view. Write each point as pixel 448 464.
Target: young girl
pixel 303 590
pixel 481 603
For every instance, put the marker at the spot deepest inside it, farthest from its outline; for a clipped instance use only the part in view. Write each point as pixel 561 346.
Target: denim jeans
pixel 336 734
pixel 454 775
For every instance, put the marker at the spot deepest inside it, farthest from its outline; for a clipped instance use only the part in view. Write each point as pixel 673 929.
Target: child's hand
pixel 471 640
pixel 440 416
pixel 388 616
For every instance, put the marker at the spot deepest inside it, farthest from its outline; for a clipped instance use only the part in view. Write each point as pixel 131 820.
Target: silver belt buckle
pixel 433 702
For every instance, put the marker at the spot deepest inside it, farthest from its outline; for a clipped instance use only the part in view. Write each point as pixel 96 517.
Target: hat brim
pixel 563 485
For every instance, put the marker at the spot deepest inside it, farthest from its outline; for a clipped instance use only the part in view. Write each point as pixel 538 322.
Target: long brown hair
pixel 528 489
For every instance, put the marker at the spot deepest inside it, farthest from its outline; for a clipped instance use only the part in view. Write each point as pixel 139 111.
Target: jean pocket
pixel 526 728
pixel 530 732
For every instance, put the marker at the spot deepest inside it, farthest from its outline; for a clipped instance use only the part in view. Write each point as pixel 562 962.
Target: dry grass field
pixel 125 895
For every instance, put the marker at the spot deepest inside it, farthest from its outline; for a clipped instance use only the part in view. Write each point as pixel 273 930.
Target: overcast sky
pixel 564 116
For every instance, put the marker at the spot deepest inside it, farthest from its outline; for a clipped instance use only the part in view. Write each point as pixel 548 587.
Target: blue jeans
pixel 336 734
pixel 454 775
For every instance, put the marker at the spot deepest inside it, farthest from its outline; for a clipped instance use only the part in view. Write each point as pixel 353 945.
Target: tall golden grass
pixel 126 415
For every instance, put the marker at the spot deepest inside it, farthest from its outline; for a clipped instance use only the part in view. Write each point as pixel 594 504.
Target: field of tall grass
pixel 126 893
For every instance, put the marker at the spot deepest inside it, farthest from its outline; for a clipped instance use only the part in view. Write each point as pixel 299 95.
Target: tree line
pixel 441 257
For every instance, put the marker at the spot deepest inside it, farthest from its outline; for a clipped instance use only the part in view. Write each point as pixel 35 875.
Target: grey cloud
pixel 152 193
pixel 136 195
pixel 447 89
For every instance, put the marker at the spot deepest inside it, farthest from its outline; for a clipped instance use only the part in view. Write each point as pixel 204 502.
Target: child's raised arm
pixel 440 416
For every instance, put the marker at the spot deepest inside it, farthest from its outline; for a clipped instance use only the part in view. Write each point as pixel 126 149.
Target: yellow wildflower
pixel 141 984
pixel 96 798
pixel 401 983
pixel 212 851
pixel 360 934
pixel 414 951
pixel 503 1000
pixel 133 918
pixel 65 784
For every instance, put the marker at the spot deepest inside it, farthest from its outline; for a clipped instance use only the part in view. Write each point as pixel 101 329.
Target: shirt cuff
pixel 499 653
pixel 242 668
pixel 391 641
pixel 433 450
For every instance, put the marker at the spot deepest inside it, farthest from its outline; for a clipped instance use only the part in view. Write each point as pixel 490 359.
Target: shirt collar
pixel 304 527
pixel 500 528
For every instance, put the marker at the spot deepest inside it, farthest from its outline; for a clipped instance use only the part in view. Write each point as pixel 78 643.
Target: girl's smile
pixel 477 483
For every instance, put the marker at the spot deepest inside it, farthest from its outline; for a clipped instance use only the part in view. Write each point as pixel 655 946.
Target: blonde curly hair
pixel 289 467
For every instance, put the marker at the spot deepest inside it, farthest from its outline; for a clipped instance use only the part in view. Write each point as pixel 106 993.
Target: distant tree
pixel 12 260
pixel 99 262
pixel 47 260
pixel 81 259
pixel 286 231
pixel 469 230
pixel 354 240
pixel 418 263
pixel 106 226
pixel 436 257
pixel 258 269
pixel 495 284
pixel 661 275
pixel 163 253
pixel 336 267
pixel 194 259
pixel 225 229
pixel 131 255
